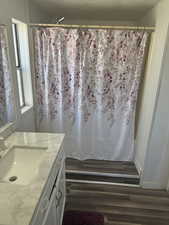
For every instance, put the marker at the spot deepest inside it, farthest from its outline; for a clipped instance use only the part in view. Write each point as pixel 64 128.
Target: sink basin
pixel 20 164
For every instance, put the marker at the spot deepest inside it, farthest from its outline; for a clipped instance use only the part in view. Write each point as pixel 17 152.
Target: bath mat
pixel 82 218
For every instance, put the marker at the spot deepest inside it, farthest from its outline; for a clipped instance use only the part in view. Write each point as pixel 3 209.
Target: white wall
pixel 157 157
pixel 153 128
pixel 26 121
pixel 37 15
pixel 14 8
pixel 97 22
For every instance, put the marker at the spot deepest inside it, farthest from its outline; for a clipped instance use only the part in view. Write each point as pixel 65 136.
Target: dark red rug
pixel 82 218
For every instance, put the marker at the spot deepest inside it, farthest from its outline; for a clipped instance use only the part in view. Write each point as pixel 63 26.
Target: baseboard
pixel 151 185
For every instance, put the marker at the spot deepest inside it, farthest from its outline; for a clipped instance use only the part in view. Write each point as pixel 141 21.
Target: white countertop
pixel 18 202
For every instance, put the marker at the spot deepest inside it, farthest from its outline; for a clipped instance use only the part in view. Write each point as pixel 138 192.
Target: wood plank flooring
pixel 102 170
pixel 120 205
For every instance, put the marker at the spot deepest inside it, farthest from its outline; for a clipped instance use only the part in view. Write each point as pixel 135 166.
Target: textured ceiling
pixel 97 9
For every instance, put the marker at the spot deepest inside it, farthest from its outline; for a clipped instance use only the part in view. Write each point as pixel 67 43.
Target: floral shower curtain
pixel 6 92
pixel 87 82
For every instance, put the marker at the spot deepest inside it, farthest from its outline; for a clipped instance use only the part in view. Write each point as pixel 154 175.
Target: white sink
pixel 20 164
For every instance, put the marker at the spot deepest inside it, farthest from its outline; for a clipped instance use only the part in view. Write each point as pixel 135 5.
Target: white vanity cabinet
pixel 54 214
pixel 51 205
pixel 51 217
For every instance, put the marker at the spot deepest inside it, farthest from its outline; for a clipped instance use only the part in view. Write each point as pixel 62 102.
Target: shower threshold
pixel 102 171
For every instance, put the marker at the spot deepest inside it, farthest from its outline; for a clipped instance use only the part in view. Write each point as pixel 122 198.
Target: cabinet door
pixel 54 214
pixel 61 194
pixel 41 211
pixel 51 214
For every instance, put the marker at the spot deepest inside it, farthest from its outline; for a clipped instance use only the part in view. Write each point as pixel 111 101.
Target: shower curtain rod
pixel 95 26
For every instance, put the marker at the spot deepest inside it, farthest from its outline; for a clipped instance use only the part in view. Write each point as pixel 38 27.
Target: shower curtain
pixel 6 91
pixel 86 86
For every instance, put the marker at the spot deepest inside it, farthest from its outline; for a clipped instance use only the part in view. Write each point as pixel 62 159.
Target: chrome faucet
pixel 3 147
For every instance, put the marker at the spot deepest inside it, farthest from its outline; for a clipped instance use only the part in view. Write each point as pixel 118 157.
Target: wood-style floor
pixel 102 170
pixel 120 205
